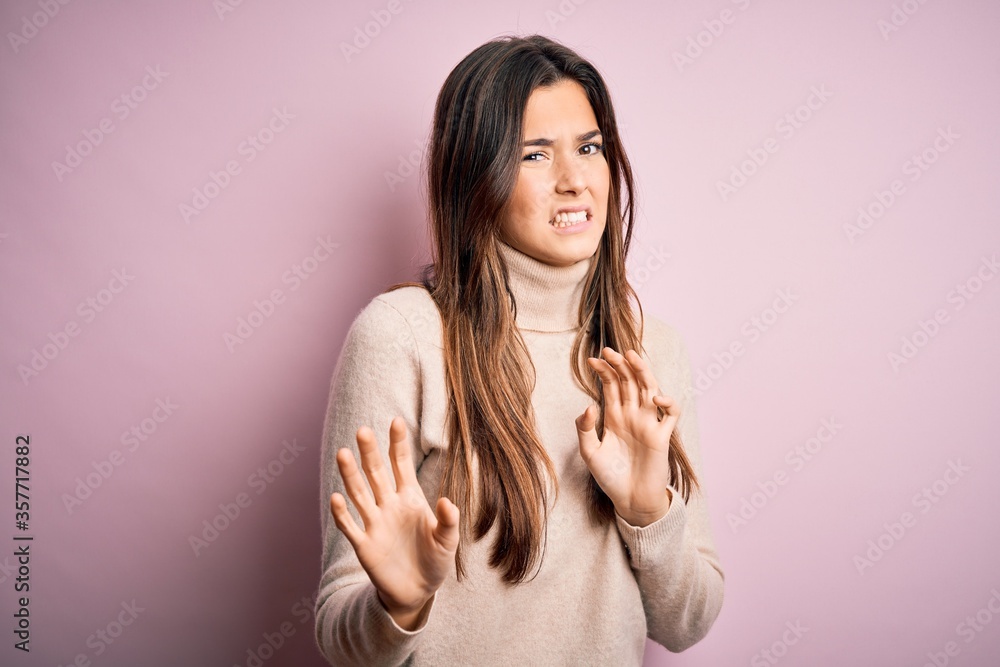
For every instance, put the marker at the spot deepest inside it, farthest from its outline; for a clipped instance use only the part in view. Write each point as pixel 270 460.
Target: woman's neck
pixel 547 297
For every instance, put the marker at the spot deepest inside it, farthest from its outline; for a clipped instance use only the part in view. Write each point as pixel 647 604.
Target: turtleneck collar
pixel 547 297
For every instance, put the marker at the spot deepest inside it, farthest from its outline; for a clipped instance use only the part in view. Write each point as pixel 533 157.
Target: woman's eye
pixel 592 148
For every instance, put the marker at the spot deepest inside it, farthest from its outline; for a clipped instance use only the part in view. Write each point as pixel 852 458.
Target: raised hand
pixel 631 463
pixel 406 549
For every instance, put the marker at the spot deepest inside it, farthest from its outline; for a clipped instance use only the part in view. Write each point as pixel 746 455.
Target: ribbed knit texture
pixel 600 589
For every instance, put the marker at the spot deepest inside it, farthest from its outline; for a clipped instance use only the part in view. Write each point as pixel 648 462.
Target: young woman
pixel 551 423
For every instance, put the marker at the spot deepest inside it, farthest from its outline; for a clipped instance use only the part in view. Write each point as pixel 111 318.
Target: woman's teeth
pixel 567 219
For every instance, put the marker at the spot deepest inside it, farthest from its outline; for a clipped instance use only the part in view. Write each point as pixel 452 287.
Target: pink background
pixel 707 263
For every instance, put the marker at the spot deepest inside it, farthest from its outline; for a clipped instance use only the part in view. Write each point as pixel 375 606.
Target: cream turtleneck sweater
pixel 600 590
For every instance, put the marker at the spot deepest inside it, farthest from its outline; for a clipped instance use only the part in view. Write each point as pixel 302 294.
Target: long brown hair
pixel 474 159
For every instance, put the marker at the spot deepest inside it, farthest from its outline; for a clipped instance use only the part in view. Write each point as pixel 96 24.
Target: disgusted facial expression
pixel 558 210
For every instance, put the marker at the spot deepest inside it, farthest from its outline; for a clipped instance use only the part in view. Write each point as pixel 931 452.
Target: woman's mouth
pixel 563 220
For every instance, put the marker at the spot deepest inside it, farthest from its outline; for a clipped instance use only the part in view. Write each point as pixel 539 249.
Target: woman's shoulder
pixel 663 341
pixel 399 314
pixel 660 331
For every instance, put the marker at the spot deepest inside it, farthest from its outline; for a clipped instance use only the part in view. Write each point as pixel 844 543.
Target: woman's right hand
pixel 406 549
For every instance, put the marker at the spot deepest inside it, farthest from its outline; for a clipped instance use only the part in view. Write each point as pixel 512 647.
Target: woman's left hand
pixel 630 464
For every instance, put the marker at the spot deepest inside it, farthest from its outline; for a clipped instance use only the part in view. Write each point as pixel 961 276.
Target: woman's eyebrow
pixel 549 142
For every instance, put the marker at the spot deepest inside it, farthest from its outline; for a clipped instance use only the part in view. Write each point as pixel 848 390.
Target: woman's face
pixel 562 167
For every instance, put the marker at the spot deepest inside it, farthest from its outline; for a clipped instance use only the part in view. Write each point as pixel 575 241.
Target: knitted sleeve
pixel 674 559
pixel 377 376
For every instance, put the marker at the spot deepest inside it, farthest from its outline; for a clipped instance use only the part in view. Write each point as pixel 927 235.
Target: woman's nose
pixel 571 176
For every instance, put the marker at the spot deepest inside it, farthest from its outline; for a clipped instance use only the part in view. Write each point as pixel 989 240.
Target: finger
pixel 355 486
pixel 670 405
pixel 400 454
pixel 374 466
pixel 648 386
pixel 408 489
pixel 626 378
pixel 671 412
pixel 345 522
pixel 446 532
pixel 587 433
pixel 609 378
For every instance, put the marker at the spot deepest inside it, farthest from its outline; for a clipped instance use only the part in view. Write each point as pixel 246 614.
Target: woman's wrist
pixel 407 618
pixel 642 519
